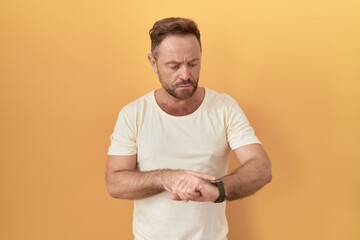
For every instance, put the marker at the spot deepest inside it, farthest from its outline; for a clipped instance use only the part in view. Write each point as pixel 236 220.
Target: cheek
pixel 195 72
pixel 168 75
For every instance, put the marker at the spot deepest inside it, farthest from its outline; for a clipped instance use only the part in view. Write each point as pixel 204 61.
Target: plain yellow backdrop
pixel 67 67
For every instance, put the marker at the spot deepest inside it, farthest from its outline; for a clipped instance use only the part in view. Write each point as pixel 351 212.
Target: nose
pixel 185 73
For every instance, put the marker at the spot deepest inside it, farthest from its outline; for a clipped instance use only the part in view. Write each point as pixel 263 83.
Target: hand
pixel 191 186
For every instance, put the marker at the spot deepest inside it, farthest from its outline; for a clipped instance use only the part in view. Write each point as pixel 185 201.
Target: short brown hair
pixel 172 25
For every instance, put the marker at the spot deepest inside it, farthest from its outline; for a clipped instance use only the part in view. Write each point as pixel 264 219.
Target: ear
pixel 153 62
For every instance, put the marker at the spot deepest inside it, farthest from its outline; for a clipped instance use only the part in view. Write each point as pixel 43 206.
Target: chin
pixel 185 94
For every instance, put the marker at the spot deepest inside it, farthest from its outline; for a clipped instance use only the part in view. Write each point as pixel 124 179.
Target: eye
pixel 174 66
pixel 193 64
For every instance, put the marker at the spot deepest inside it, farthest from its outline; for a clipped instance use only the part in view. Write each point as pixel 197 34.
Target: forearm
pixel 247 179
pixel 132 184
pixel 182 184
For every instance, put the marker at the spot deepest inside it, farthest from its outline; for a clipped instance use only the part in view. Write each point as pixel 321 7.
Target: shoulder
pixel 222 104
pixel 215 98
pixel 135 110
pixel 139 103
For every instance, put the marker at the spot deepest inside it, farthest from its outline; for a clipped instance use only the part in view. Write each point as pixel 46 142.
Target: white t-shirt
pixel 200 141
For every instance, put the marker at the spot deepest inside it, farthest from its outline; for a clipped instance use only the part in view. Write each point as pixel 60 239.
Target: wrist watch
pixel 220 185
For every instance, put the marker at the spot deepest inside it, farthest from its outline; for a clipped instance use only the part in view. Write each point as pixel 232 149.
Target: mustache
pixel 185 82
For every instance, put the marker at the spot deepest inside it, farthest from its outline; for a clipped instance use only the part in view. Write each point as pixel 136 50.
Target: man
pixel 169 149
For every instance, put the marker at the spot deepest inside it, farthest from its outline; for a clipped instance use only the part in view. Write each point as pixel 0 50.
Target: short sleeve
pixel 238 129
pixel 123 138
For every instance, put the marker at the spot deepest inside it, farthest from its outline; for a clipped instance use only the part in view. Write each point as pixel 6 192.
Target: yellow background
pixel 67 67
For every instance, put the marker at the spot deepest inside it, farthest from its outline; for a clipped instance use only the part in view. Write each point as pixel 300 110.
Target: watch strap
pixel 222 196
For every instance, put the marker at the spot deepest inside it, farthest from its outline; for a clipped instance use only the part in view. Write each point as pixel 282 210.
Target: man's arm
pixel 253 174
pixel 125 181
pixel 250 176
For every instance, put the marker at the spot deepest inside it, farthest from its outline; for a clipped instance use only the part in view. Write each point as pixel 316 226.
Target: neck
pixel 179 107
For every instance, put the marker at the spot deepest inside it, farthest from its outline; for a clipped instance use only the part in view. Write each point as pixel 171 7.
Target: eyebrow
pixel 176 62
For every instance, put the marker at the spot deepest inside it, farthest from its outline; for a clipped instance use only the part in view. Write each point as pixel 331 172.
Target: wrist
pixel 220 186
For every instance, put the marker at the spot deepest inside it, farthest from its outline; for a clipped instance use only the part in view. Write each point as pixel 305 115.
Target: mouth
pixel 185 85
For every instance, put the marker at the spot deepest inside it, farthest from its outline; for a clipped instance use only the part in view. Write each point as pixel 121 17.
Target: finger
pixel 175 196
pixel 191 194
pixel 188 194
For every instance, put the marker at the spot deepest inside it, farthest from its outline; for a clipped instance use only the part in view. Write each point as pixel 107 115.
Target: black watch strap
pixel 220 185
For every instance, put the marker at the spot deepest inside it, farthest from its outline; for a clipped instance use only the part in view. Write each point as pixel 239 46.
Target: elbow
pixel 269 177
pixel 113 192
pixel 114 189
pixel 268 173
pixel 114 195
pixel 117 193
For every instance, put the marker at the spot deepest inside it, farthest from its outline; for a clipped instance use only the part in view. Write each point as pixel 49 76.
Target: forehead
pixel 179 46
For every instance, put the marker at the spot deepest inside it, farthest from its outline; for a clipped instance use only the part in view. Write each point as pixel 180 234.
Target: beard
pixel 181 94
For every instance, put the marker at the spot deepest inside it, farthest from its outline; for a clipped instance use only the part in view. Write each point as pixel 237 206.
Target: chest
pixel 195 143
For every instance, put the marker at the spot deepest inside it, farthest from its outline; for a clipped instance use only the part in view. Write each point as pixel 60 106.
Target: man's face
pixel 177 63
